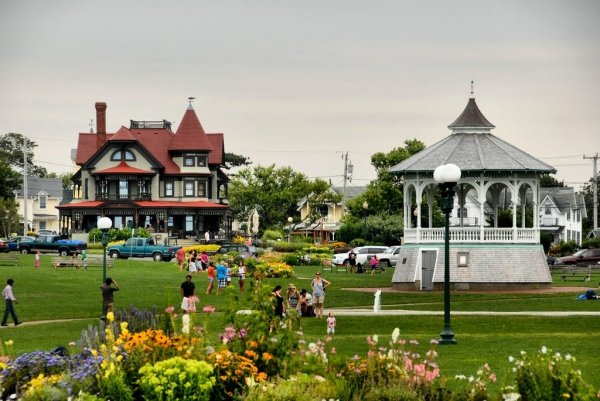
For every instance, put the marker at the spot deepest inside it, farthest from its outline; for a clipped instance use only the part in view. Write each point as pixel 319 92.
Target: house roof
pixel 473 151
pixel 148 204
pixel 123 168
pixel 52 186
pixel 157 142
pixel 563 197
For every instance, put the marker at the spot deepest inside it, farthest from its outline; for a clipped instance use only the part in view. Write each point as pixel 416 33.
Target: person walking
pixel 9 299
pixel 180 256
pixel 318 285
pixel 352 260
pixel 108 298
pixel 373 262
pixel 210 272
pixel 188 292
pixel 221 277
pixel 241 274
pixel 293 303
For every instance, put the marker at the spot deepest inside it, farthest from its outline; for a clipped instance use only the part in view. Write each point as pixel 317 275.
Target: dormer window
pixel 194 159
pixel 43 201
pixel 202 161
pixel 189 160
pixel 122 154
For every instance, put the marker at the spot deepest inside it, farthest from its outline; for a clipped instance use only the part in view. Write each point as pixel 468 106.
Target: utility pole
pixel 25 221
pixel 595 188
pixel 348 167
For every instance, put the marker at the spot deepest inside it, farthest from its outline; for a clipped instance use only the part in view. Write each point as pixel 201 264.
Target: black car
pixel 242 249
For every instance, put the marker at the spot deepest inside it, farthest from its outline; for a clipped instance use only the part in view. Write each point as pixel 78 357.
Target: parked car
pixel 46 232
pixel 53 243
pixel 363 254
pixel 4 245
pixel 243 249
pixel 581 257
pixel 389 257
pixel 143 248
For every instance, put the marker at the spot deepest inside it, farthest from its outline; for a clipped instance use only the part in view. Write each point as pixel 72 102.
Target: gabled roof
pixel 474 151
pixel 123 168
pixel 123 134
pixel 471 117
pixel 563 197
pixel 51 186
pixel 190 135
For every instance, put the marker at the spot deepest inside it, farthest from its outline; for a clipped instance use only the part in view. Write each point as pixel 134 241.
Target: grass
pixel 46 295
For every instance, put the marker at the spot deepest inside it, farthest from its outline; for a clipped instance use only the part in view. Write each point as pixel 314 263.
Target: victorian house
pixel 493 243
pixel 148 176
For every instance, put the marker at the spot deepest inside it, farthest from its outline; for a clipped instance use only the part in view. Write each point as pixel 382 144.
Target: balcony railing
pixel 113 197
pixel 549 222
pixel 466 221
pixel 473 235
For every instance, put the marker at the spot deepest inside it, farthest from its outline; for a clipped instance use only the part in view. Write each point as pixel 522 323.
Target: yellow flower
pixel 9 342
pixel 110 317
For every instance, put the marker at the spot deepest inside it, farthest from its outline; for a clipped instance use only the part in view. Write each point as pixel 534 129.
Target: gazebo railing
pixel 472 235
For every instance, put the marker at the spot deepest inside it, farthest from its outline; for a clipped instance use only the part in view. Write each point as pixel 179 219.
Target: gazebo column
pixel 430 207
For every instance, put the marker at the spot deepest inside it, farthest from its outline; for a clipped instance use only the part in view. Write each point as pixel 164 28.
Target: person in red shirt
pixel 180 256
pixel 211 277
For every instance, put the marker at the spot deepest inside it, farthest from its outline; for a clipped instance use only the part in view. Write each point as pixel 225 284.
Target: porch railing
pixel 113 197
pixel 473 235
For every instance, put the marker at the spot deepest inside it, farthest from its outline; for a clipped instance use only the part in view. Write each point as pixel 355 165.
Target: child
pixel 331 324
pixel 228 274
pixel 192 264
pixel 37 260
pixel 84 259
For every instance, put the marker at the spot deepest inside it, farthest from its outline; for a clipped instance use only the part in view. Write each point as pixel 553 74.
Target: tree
pixel 9 217
pixel 234 160
pixel 385 193
pixel 547 181
pixel 67 182
pixel 11 150
pixel 588 196
pixel 10 180
pixel 274 193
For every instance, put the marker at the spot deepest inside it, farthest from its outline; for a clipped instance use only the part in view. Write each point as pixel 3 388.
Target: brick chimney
pixel 100 124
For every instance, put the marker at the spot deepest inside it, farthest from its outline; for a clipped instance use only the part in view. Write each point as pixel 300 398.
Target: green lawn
pixel 46 294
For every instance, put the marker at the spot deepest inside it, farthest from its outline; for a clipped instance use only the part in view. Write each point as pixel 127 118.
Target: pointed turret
pixel 190 135
pixel 471 119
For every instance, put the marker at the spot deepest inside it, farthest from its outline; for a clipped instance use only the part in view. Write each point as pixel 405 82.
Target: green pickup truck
pixel 142 248
pixel 53 243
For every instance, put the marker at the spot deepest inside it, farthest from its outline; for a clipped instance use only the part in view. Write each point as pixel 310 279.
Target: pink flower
pixel 493 378
pixel 170 309
pixel 209 309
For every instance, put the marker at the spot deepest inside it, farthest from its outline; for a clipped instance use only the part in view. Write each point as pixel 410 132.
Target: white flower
pixel 395 334
pixel 511 359
pixel 312 347
pixel 568 357
pixel 471 379
pixel 185 319
pixel 319 378
pixel 511 396
pixel 460 377
pixel 375 338
pixel 544 349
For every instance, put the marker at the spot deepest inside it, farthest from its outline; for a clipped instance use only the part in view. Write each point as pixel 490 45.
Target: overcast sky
pixel 299 83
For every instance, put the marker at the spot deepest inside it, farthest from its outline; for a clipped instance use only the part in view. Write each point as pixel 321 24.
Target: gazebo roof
pixel 472 150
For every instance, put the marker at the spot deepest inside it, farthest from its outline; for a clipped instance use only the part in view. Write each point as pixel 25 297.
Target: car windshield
pixel 389 250
pixel 579 252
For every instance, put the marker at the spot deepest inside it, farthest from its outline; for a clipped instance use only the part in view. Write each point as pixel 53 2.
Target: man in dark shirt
pixel 352 260
pixel 188 290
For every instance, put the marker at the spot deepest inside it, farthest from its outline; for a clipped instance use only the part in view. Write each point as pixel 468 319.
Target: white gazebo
pixel 495 227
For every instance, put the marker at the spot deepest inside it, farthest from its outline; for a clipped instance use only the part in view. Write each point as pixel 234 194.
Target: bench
pixel 9 258
pixel 327 264
pixel 567 272
pixel 94 261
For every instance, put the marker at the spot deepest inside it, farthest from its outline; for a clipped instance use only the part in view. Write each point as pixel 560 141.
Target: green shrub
pixel 591 243
pixel 177 379
pixel 301 387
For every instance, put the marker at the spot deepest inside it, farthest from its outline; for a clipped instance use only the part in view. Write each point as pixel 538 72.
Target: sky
pixel 301 83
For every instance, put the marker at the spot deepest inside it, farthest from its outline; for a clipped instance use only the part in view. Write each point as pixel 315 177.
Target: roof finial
pixel 91 125
pixel 472 89
pixel 190 99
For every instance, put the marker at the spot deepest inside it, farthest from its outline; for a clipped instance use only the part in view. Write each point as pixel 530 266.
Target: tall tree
pixel 10 180
pixel 274 193
pixel 547 181
pixel 9 217
pixel 11 150
pixel 235 160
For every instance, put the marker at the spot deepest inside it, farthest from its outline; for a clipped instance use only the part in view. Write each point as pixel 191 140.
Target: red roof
pixel 123 168
pixel 88 204
pixel 190 135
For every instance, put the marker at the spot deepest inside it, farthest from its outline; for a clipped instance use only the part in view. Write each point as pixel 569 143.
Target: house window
pixel 122 154
pixel 169 188
pixel 189 223
pixel 189 160
pixel 547 211
pixel 123 189
pixel 188 188
pixel 202 189
pixel 43 201
pixel 42 225
pixel 202 161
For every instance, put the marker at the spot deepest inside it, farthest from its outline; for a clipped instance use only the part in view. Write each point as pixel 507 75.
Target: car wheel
pixel 157 257
pixel 63 252
pixel 114 254
pixel 24 251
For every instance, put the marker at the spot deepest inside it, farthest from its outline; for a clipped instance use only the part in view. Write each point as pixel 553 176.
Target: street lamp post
pixel 104 224
pixel 290 220
pixel 447 176
pixel 365 206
